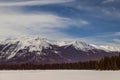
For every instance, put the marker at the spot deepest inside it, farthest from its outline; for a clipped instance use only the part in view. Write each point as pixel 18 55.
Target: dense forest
pixel 106 63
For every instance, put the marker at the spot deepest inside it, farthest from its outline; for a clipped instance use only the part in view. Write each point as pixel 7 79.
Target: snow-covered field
pixel 60 75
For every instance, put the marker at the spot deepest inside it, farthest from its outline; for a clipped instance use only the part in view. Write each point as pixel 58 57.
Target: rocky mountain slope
pixel 37 50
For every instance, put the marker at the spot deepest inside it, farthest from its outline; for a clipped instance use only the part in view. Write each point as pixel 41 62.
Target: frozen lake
pixel 60 75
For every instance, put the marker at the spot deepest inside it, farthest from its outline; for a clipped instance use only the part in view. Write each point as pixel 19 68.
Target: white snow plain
pixel 59 75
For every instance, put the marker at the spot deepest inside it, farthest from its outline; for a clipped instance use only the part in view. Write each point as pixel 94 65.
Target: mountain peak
pixel 80 45
pixel 20 43
pixel 44 50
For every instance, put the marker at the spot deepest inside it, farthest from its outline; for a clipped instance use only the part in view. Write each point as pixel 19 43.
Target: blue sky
pixel 93 21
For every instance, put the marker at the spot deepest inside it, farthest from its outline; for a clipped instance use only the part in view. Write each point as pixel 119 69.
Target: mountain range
pixel 36 50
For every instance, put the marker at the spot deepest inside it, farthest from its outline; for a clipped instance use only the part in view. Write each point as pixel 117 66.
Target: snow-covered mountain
pixel 41 51
pixel 80 45
pixel 107 48
pixel 17 44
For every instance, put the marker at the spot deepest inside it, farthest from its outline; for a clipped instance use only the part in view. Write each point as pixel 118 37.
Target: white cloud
pixel 117 34
pixel 113 13
pixel 116 40
pixel 108 38
pixel 34 2
pixel 108 1
pixel 44 25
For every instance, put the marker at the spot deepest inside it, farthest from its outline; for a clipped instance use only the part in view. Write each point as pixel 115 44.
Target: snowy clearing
pixel 60 75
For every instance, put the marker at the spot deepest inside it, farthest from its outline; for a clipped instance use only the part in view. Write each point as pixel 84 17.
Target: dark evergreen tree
pixel 106 63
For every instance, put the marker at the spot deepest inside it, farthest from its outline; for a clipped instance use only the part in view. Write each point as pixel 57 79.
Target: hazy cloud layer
pixel 90 20
pixel 32 2
pixel 45 25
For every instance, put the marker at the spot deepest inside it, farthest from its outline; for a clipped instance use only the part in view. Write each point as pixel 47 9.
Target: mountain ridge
pixel 42 50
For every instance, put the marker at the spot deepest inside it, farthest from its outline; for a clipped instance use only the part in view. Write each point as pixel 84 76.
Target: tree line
pixel 106 63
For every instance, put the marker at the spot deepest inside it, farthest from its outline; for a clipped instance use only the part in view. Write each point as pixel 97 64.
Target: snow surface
pixel 59 75
pixel 63 43
pixel 107 47
pixel 79 45
pixel 34 44
pixel 110 48
pixel 37 44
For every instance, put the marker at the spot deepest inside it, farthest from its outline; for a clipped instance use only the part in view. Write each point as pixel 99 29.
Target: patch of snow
pixel 56 52
pixel 33 43
pixel 79 45
pixel 107 47
pixel 37 44
pixel 63 43
pixel 59 75
pixel 110 48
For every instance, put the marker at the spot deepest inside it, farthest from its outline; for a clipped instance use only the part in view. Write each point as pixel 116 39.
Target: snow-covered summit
pixel 32 43
pixel 63 43
pixel 79 45
pixel 110 48
pixel 107 48
pixel 37 44
pixel 44 50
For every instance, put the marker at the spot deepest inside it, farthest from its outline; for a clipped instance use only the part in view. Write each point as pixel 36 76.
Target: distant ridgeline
pixel 40 53
pixel 106 63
